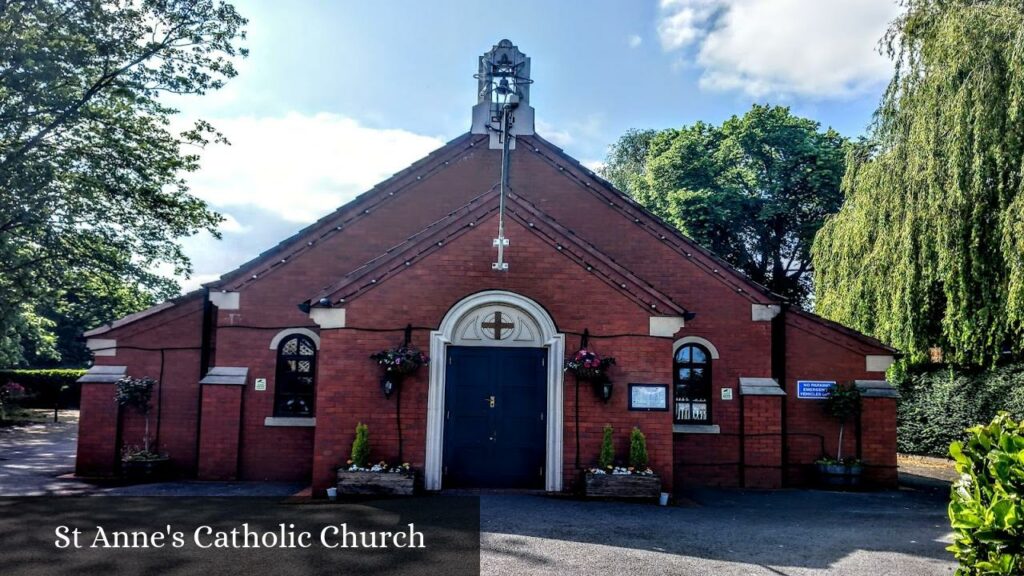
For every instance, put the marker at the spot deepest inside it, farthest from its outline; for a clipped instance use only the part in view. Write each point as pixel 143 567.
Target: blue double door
pixel 495 404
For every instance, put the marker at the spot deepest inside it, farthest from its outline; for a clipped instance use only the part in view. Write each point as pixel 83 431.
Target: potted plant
pixel 359 477
pixel 140 463
pixel 842 403
pixel 607 480
pixel 588 366
pixel 398 363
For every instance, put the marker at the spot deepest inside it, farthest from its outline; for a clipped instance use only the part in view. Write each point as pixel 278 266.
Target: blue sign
pixel 813 389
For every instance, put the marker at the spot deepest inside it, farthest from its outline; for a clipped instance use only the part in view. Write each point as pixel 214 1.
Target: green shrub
pixel 986 509
pixel 44 388
pixel 938 403
pixel 637 450
pixel 842 403
pixel 607 458
pixel 136 393
pixel 361 446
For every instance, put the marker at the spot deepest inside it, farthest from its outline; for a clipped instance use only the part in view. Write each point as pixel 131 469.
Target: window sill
pixel 278 421
pixel 696 429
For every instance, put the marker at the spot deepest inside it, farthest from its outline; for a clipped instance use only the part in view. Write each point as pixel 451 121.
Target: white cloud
pixel 682 21
pixel 782 47
pixel 556 136
pixel 301 166
pixel 283 172
pixel 634 40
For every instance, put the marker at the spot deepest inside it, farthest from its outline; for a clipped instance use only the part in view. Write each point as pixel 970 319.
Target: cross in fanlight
pixel 497 326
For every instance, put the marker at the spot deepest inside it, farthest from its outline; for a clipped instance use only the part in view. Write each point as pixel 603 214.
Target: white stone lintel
pixel 225 300
pixel 328 317
pixel 666 326
pixel 102 346
pixel 764 312
pixel 878 362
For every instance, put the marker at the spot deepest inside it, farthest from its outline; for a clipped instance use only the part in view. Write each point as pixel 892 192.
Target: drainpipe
pixel 779 373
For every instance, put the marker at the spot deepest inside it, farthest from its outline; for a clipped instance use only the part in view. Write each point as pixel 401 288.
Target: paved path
pixel 724 533
pixel 33 456
pixel 728 533
pixel 35 460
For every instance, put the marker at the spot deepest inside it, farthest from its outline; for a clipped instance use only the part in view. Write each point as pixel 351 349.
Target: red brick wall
pixel 817 353
pixel 174 413
pixel 97 433
pixel 348 390
pixel 267 452
pixel 878 441
pixel 762 441
pixel 218 436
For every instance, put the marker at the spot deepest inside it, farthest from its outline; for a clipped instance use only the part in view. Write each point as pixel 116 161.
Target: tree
pixel 627 160
pixel 754 190
pixel 91 175
pixel 928 249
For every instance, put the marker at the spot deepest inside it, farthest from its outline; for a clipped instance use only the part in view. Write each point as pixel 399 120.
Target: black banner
pixel 85 536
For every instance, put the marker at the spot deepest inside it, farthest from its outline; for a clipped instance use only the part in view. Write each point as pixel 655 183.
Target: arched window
pixel 294 389
pixel 692 378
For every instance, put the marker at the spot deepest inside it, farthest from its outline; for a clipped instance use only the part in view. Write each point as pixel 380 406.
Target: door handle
pixel 490 401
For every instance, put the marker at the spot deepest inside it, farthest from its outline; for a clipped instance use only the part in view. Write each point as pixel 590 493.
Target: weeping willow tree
pixel 928 249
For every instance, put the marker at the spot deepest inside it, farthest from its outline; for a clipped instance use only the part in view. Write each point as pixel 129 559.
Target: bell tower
pixel 503 100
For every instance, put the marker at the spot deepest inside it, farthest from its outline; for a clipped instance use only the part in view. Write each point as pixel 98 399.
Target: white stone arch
pixel 538 330
pixel 695 340
pixel 276 340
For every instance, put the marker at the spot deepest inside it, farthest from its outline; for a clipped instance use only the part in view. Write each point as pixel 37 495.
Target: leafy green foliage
pixel 91 174
pixel 136 393
pixel 928 249
pixel 842 403
pixel 754 190
pixel 986 508
pixel 637 450
pixel 43 387
pixel 938 403
pixel 607 458
pixel 361 446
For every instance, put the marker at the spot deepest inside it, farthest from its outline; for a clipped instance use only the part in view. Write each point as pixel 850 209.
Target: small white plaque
pixel 726 393
pixel 261 384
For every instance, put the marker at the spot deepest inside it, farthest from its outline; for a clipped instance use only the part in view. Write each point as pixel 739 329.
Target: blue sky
pixel 337 95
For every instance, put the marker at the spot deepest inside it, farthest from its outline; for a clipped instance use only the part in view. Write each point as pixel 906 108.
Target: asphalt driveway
pixel 787 532
pixel 790 532
pixel 33 457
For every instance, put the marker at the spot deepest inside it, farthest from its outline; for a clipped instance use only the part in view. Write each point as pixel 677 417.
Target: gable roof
pixel 849 332
pixel 542 224
pixel 630 209
pixel 356 209
pixel 438 234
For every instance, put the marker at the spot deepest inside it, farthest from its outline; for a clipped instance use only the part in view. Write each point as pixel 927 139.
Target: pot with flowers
pixel 140 463
pixel 635 481
pixel 360 477
pixel 588 366
pixel 842 403
pixel 398 363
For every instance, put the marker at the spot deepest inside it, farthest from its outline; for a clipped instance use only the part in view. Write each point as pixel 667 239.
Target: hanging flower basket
pixel 588 366
pixel 400 361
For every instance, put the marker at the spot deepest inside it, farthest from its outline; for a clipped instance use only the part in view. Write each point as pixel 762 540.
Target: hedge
pixel 938 403
pixel 45 387
pixel 986 508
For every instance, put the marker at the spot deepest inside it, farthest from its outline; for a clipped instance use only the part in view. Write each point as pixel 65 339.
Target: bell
pixel 503 87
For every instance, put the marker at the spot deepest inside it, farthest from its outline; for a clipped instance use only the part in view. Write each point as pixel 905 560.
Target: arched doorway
pixel 497 320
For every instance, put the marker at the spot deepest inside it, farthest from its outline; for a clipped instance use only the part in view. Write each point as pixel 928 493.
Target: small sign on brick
pixel 813 389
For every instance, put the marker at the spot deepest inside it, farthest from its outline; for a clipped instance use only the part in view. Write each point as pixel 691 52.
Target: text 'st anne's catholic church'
pixel 503 256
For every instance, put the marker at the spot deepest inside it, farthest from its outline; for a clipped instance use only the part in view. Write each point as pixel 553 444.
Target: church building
pixel 499 257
